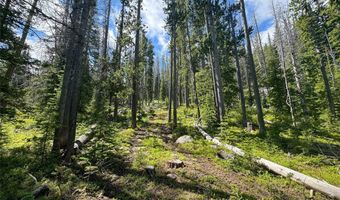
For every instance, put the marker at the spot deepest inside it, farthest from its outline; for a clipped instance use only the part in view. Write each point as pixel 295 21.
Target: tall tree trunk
pixel 134 105
pixel 170 86
pixel 68 104
pixel 251 65
pixel 180 90
pixel 262 59
pixel 193 70
pixel 249 85
pixel 11 67
pixel 239 76
pixel 187 102
pixel 327 88
pixel 291 39
pixel 283 65
pixel 211 26
pixel 101 93
pixel 322 20
pixel 174 35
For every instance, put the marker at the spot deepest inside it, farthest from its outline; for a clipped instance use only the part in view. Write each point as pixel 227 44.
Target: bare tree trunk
pixel 135 70
pixel 215 58
pixel 331 52
pixel 175 70
pixel 118 56
pixel 170 86
pixel 291 39
pixel 69 99
pixel 251 65
pixel 193 70
pixel 249 84
pixel 180 91
pixel 187 102
pixel 283 65
pixel 262 59
pixel 101 93
pixel 327 88
pixel 239 76
pixel 20 46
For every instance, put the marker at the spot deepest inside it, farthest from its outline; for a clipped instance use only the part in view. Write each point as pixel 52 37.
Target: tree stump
pixel 150 170
pixel 176 164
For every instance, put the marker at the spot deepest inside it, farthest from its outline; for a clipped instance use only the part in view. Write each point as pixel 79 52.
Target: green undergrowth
pixel 153 151
pixel 315 154
pixel 19 132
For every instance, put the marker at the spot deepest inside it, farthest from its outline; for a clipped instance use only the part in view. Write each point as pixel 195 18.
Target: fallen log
pixel 224 155
pixel 312 183
pixel 83 139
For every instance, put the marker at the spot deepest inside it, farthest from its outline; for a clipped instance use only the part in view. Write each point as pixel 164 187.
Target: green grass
pixel 19 132
pixel 297 152
pixel 153 151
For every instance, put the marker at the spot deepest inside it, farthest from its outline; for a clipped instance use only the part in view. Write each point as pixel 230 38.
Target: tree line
pixel 217 62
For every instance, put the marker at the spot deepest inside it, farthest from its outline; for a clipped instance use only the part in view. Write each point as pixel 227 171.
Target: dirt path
pixel 201 177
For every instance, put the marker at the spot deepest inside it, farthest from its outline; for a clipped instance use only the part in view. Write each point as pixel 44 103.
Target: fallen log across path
pixel 310 182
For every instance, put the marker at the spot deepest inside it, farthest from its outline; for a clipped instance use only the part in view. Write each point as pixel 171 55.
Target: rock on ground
pixel 184 139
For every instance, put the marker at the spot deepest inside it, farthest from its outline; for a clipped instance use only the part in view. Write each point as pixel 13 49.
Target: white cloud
pixel 263 10
pixel 268 32
pixel 153 17
pixel 38 49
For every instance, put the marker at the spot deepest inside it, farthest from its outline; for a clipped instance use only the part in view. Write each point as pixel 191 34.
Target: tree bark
pixel 283 66
pixel 187 102
pixel 291 40
pixel 251 65
pixel 193 70
pixel 174 34
pixel 101 93
pixel 262 59
pixel 68 104
pixel 170 86
pixel 239 76
pixel 215 58
pixel 327 88
pixel 135 70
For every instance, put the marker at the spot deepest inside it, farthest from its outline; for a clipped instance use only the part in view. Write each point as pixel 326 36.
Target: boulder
pixel 184 139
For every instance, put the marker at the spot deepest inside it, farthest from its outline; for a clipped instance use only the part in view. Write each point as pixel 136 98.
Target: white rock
pixel 184 139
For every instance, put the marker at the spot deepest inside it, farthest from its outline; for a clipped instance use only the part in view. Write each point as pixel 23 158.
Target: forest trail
pixel 203 176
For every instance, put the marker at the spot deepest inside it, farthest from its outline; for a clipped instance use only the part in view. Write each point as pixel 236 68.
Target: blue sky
pixel 153 18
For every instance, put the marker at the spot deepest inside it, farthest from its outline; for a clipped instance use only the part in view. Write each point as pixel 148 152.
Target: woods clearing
pixel 113 167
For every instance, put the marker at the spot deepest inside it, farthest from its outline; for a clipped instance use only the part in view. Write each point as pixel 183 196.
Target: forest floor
pixel 113 165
